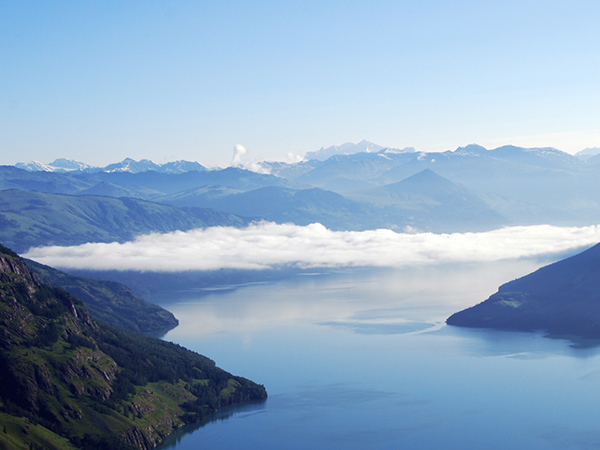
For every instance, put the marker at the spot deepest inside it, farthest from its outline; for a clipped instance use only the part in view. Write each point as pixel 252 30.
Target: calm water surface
pixel 360 359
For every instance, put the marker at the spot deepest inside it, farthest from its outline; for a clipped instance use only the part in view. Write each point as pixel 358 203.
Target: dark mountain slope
pixel 107 301
pixel 562 298
pixel 97 386
pixel 30 218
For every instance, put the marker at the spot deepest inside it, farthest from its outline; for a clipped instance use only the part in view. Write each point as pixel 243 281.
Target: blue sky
pixel 99 81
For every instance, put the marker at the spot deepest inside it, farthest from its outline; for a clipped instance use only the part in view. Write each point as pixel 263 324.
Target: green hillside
pixel 66 376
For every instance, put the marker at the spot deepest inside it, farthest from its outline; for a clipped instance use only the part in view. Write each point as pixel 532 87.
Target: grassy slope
pixel 103 388
pixel 19 433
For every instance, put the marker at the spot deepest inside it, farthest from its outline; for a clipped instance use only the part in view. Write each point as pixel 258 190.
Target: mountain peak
pixel 426 176
pixel 348 148
pixel 471 149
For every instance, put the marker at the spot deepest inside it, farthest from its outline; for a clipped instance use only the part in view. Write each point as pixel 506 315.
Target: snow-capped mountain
pixel 69 165
pixel 132 166
pixel 63 165
pixel 35 166
pixel 350 148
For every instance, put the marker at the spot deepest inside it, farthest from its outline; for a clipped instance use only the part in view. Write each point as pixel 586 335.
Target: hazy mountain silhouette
pixel 29 218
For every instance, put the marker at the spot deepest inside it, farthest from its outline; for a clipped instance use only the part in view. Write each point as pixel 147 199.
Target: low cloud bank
pixel 265 245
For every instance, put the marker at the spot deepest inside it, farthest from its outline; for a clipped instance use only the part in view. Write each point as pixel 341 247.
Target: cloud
pixel 238 151
pixel 266 245
pixel 236 161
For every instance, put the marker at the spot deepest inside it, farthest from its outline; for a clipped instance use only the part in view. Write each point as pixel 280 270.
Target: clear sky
pixel 99 81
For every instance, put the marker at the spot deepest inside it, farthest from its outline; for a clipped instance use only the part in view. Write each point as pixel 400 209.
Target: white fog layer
pixel 264 245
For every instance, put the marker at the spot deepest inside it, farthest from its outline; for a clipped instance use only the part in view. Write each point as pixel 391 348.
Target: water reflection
pixel 363 360
pixel 247 409
pixel 380 328
pixel 359 299
pixel 522 345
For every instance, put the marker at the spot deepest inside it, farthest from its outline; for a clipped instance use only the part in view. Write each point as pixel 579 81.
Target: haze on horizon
pixel 101 81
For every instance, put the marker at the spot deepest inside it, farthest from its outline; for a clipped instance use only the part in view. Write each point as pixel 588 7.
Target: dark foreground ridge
pixel 71 383
pixel 562 299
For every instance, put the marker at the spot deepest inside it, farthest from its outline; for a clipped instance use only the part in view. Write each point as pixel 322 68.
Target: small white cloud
pixel 238 151
pixel 294 158
pixel 265 245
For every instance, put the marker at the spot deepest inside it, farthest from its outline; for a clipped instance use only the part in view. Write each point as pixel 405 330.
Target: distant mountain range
pixel 129 165
pixel 350 148
pixel 562 299
pixel 424 201
pixel 63 165
pixel 361 186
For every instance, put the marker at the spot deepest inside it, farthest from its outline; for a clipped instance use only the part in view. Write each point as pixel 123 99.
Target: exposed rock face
pixel 101 387
pixel 562 299
pixel 15 270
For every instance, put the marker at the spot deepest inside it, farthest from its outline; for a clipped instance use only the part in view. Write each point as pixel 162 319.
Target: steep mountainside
pixel 100 388
pixel 29 218
pixel 562 298
pixel 108 301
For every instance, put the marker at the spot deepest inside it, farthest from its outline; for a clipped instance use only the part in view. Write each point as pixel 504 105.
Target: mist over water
pixel 361 359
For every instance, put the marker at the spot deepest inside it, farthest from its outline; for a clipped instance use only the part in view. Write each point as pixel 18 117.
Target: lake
pixel 361 359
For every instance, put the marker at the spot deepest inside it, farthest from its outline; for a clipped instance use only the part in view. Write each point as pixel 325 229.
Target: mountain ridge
pixel 561 299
